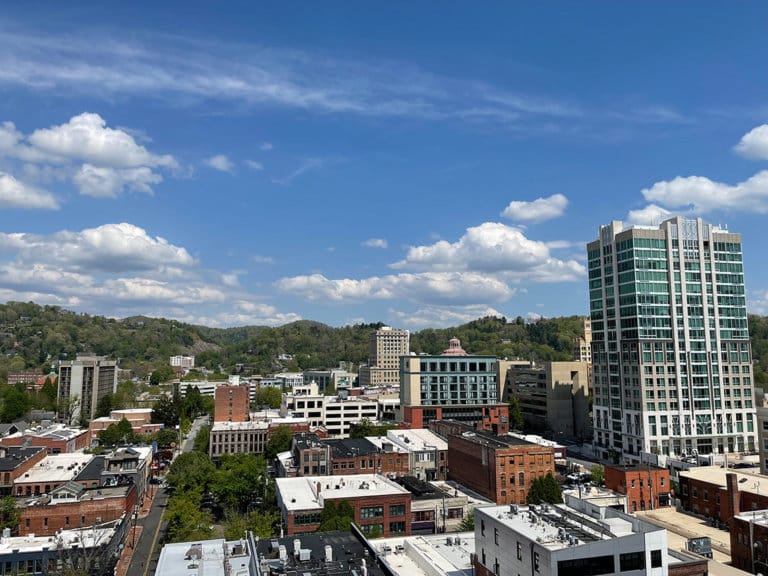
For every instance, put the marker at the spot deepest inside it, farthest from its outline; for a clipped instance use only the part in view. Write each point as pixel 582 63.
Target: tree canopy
pixel 545 489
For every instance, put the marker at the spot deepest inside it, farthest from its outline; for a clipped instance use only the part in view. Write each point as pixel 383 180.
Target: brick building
pixel 381 506
pixel 50 473
pixel 749 541
pixel 140 419
pixel 722 494
pixel 500 468
pixel 15 462
pixel 56 439
pixel 646 487
pixel 232 404
pixel 72 506
pixel 491 417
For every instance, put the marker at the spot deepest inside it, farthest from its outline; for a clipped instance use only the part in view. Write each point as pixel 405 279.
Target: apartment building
pixel 83 382
pixel 336 414
pixel 672 365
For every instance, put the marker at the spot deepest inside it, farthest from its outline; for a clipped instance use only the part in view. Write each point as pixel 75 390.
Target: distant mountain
pixel 34 336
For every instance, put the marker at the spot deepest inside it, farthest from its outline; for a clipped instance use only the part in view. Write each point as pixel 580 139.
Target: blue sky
pixel 417 163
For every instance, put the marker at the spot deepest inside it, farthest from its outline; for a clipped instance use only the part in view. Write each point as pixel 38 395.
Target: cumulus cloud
pixel 247 313
pixel 491 248
pixel 110 247
pixel 699 194
pixel 220 162
pixel 375 243
pixel 254 165
pixel 754 144
pixel 440 317
pixel 651 215
pixel 86 138
pixel 102 162
pixel 539 210
pixel 16 194
pixel 266 146
pixel 454 287
pixel 260 259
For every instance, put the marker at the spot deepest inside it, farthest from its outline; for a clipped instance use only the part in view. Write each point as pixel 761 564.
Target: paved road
pixel 147 551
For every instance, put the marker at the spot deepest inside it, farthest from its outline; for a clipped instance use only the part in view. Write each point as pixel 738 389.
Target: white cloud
pixel 86 138
pixel 104 182
pixel 110 247
pixel 101 162
pixel 440 317
pixel 220 162
pixel 254 165
pixel 454 287
pixel 492 248
pixel 230 279
pixel 754 144
pixel 306 166
pixel 539 210
pixel 259 259
pixel 266 146
pixel 16 194
pixel 150 290
pixel 375 243
pixel 247 313
pixel 701 195
pixel 651 215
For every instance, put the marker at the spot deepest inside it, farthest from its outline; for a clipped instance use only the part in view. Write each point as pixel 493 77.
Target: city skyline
pixel 420 166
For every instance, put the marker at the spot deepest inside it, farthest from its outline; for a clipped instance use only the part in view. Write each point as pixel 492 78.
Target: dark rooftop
pixel 419 489
pixel 351 447
pixel 92 470
pixel 16 455
pixel 348 554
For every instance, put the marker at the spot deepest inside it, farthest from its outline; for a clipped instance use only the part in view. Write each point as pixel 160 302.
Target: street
pixel 147 551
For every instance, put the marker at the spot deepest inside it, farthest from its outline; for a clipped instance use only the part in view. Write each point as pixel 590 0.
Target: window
pixel 496 536
pixel 536 562
pixel 632 561
pixel 655 558
pixel 587 566
pixel 398 510
pixel 397 527
pixel 519 551
pixel 482 530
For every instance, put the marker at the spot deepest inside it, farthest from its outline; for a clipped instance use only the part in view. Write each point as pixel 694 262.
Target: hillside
pixel 33 336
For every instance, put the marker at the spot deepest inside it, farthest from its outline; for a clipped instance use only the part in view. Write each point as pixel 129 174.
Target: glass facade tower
pixel 672 366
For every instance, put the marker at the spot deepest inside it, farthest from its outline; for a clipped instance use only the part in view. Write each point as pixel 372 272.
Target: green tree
pixel 193 404
pixel 15 403
pixel 598 474
pixel 279 441
pixel 166 437
pixel 186 521
pixel 10 516
pixel 240 479
pixel 164 373
pixel 365 428
pixel 166 411
pixel 467 523
pixel 333 517
pixel 191 472
pixel 269 396
pixel 545 489
pixel 516 420
pixel 202 438
pixel 262 524
pixel 104 406
pixel 49 393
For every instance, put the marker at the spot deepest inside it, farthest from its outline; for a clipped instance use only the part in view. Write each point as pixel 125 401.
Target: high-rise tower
pixel 671 360
pixel 387 345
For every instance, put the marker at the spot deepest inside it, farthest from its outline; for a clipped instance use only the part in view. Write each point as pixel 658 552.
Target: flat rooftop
pixel 16 455
pixel 417 439
pixel 256 424
pixel 53 432
pixel 715 475
pixel 558 527
pixel 56 468
pixel 302 494
pixel 407 556
pixel 208 557
pixel 90 538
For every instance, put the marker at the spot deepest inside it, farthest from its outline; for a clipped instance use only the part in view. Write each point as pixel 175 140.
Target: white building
pixel 336 414
pixel 186 362
pixel 558 540
pixel 428 452
pixel 671 358
pixel 84 381
pixel 249 437
pixel 290 379
pixel 209 557
pixel 386 346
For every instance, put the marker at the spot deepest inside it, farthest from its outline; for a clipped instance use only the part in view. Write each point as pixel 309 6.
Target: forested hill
pixel 31 336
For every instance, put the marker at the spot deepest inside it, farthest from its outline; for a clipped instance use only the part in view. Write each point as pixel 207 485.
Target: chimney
pixel 732 487
pixel 319 486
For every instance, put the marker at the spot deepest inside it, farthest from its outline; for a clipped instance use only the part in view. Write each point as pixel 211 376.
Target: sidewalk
pixel 121 569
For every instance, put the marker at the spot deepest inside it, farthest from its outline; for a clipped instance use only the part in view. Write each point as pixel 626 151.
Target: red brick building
pixel 15 462
pixel 646 487
pixel 56 439
pixel 232 404
pixel 73 506
pixel 491 417
pixel 500 468
pixel 380 505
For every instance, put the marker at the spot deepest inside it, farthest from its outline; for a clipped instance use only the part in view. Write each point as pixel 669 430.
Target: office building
pixel 83 382
pixel 452 386
pixel 211 557
pixel 387 345
pixel 232 404
pixel 553 397
pixel 671 359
